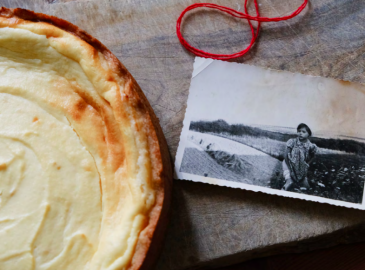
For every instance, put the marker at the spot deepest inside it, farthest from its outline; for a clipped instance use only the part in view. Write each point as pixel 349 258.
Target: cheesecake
pixel 85 174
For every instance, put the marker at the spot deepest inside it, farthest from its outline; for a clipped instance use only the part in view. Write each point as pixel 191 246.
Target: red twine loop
pixel 236 14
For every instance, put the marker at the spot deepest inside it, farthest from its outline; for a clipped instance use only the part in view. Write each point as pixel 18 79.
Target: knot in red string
pixel 236 14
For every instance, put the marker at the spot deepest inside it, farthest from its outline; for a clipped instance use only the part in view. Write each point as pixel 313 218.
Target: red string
pixel 236 14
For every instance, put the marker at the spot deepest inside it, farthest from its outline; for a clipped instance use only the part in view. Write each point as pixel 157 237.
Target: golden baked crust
pixel 129 108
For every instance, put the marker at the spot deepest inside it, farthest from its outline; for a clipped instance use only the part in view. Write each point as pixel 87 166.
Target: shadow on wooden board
pixel 344 257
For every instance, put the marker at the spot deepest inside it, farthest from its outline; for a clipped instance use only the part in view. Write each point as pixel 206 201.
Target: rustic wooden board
pixel 211 225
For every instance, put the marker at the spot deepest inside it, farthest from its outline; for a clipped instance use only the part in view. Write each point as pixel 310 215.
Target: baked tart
pixel 85 174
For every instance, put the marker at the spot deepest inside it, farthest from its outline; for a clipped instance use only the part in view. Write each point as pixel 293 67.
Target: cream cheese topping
pixel 75 169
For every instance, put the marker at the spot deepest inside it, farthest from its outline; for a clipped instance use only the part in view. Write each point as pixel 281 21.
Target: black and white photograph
pixel 275 132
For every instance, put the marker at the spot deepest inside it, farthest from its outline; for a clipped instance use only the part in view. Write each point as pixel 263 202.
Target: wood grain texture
pixel 211 225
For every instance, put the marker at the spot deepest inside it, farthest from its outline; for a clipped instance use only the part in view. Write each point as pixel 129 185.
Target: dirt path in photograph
pixel 217 157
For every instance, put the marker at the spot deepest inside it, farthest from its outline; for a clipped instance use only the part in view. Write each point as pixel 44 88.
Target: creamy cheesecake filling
pixel 75 169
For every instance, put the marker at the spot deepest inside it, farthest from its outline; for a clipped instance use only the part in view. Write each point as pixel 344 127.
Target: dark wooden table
pixel 344 257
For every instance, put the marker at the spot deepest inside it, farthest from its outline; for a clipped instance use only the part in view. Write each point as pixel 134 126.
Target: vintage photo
pixel 275 132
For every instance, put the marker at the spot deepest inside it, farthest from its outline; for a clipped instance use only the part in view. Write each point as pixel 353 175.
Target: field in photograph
pixel 216 157
pixel 338 171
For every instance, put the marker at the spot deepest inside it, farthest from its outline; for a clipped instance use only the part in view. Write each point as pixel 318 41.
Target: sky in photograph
pixel 239 93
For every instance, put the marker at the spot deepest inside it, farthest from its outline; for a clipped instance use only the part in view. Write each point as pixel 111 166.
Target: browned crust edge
pixel 149 247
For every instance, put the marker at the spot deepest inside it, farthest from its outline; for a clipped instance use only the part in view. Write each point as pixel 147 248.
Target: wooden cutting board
pixel 213 226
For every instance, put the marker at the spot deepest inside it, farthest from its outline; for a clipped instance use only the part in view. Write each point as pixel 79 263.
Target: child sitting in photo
pixel 298 155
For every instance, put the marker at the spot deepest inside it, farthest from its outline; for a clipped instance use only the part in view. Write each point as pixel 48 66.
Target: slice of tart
pixel 85 174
